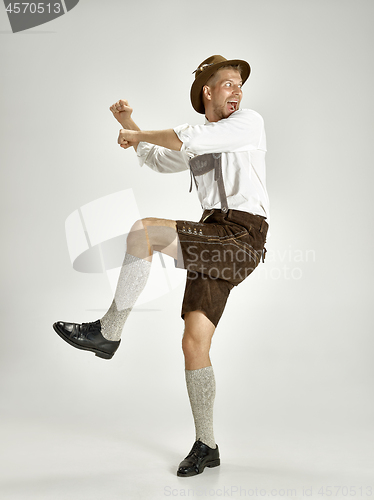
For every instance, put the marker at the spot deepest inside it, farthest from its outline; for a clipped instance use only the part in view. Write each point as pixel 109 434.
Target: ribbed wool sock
pixel 201 387
pixel 132 280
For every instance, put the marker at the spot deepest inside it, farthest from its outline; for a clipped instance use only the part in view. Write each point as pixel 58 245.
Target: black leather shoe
pixel 199 457
pixel 88 337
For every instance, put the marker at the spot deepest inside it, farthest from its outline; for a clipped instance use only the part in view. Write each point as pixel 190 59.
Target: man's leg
pixel 201 389
pixel 103 336
pixel 146 236
pixel 199 373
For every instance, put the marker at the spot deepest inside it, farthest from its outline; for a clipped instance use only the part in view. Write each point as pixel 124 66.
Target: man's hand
pixel 122 112
pixel 128 138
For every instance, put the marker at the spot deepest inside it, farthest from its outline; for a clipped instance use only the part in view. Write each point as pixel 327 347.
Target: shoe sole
pixel 213 463
pixel 99 354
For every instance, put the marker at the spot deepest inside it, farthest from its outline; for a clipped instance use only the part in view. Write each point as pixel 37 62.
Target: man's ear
pixel 207 92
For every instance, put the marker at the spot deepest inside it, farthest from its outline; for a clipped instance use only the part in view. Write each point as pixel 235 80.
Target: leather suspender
pixel 202 164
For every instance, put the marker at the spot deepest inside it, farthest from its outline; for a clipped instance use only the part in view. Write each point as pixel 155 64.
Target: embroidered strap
pixel 202 164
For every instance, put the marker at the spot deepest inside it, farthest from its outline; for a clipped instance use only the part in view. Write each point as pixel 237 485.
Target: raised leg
pixel 146 236
pixel 103 336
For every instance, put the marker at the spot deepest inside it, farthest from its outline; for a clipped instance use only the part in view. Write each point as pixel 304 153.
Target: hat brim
pixel 201 80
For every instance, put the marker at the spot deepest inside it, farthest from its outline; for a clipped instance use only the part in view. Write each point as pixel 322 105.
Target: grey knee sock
pixel 132 280
pixel 201 387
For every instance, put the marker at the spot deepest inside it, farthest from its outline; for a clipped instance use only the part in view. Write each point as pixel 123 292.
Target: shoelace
pixel 91 327
pixel 195 450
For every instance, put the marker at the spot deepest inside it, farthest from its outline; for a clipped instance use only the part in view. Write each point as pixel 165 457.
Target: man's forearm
pixel 129 124
pixel 164 138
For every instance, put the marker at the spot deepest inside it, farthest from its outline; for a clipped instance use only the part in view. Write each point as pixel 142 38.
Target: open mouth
pixel 233 105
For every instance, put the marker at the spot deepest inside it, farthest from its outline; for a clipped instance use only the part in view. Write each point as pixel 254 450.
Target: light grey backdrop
pixel 293 354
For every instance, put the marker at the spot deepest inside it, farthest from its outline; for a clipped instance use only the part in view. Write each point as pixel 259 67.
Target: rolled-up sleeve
pixel 241 131
pixel 162 160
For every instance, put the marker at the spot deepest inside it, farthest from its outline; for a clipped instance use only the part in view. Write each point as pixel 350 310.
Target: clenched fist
pixel 121 112
pixel 128 138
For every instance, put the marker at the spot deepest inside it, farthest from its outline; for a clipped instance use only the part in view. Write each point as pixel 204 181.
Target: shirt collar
pixel 207 122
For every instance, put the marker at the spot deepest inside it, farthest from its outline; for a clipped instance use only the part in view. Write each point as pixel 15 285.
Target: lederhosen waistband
pixel 241 218
pixel 244 219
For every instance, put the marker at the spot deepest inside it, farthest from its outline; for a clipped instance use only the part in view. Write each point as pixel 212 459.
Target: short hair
pixel 236 67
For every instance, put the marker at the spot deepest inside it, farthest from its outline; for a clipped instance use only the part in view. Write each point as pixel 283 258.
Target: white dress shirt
pixel 241 140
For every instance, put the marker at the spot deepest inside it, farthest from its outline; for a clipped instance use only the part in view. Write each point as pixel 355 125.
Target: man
pixel 226 157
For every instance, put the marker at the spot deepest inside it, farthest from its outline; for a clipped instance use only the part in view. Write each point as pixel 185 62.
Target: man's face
pixel 223 95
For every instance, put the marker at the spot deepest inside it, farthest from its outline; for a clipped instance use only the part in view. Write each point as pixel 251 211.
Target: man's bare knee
pixel 198 333
pixel 193 347
pixel 150 234
pixel 138 242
